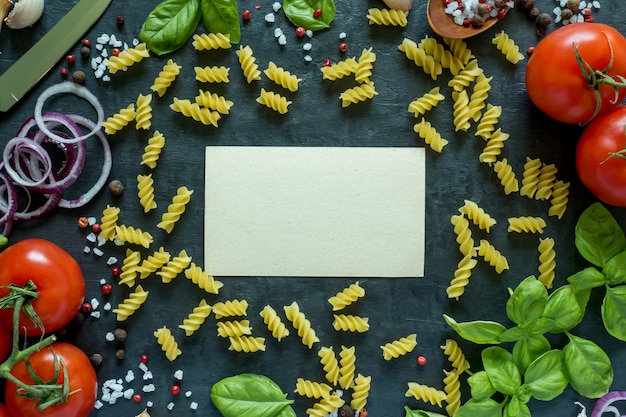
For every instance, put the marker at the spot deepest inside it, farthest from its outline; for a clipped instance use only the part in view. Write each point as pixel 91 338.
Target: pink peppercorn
pixel 86 308
pixel 343 47
pixel 421 360
pixel 107 289
pixel 64 71
pixel 326 63
pixel 175 389
pixel 143 358
pixel 246 15
pixel 300 31
pixel 96 228
pixel 70 59
pixel 317 13
pixel 115 271
pixel 137 398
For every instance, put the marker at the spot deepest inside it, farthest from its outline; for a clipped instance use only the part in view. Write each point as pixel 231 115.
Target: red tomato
pixel 82 380
pixel 555 82
pixel 59 280
pixel 4 411
pixel 6 343
pixel 603 174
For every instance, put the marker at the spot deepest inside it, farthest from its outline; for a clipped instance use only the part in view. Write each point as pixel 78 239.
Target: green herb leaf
pixel 501 370
pixel 420 413
pixel 545 376
pixel 480 408
pixel 480 386
pixel 221 16
pixel 566 307
pixel 302 13
pixel 512 334
pixel 615 269
pixel 481 332
pixel 250 395
pixel 598 235
pixel 528 348
pixel 587 278
pixel 523 393
pixel 527 301
pixel 170 25
pixel 516 408
pixel 587 367
pixel 614 311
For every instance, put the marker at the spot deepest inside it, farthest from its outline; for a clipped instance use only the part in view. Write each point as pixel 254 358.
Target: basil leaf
pixel 545 376
pixel 587 367
pixel 566 307
pixel 170 25
pixel 523 394
pixel 480 408
pixel 250 395
pixel 301 13
pixel 501 370
pixel 587 278
pixel 221 16
pixel 480 387
pixel 614 311
pixel 420 413
pixel 598 235
pixel 527 301
pixel 480 332
pixel 512 334
pixel 529 348
pixel 515 408
pixel 615 269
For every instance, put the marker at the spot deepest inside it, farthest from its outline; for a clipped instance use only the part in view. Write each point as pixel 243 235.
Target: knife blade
pixel 41 57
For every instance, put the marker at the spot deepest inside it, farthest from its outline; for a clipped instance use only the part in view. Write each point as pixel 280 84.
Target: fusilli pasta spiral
pixel 493 147
pixel 455 355
pixel 213 74
pixel 347 296
pixel 431 136
pixel 443 56
pixel 130 267
pixel 197 113
pixel 507 46
pixel 233 328
pixel 202 279
pixel 530 177
pixel 361 389
pixel 214 101
pixel 352 323
pixel 248 64
pixel 459 49
pixel 466 76
pixel 274 101
pixel 282 77
pixel 426 102
pixel 196 318
pixel 301 324
pixel 487 123
pixel 145 192
pixel 208 41
pixel 347 366
pixel 130 305
pixel 230 308
pixel 175 209
pixel 387 17
pixel 118 121
pixel 174 266
pixel 547 262
pixel 545 182
pixel 340 69
pixel 527 224
pixel 399 347
pixel 330 364
pixel 326 405
pixel 364 67
pixel 421 58
pixel 152 150
pixel 461 111
pixel 166 77
pixel 493 256
pixel 480 94
pixel 462 275
pixel 477 215
pixel 168 343
pixel 463 235
pixel 143 116
pixel 425 393
pixel 507 178
pixel 108 221
pixel 356 94
pixel 153 262
pixel 274 323
pixel 310 389
pixel 246 344
pixel 132 235
pixel 452 388
pixel 127 58
pixel 558 203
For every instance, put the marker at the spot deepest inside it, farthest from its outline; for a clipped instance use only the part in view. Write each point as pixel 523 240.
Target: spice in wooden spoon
pixel 444 24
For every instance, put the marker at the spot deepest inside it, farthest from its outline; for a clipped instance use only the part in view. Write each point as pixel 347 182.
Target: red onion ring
pixel 78 90
pixel 8 206
pixel 19 150
pixel 605 404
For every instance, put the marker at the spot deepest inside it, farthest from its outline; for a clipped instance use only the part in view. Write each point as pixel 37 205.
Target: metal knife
pixel 37 61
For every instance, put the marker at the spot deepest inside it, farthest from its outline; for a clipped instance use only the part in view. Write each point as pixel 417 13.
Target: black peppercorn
pixel 498 3
pixel 119 20
pixel 116 187
pixel 534 13
pixel 483 9
pixel 526 5
pixel 478 20
pixel 544 20
pixel 120 354
pixel 85 51
pixel 120 335
pixel 78 77
pixel 346 411
pixel 566 14
pixel 96 359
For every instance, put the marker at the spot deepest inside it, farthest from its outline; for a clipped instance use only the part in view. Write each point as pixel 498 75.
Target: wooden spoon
pixel 443 24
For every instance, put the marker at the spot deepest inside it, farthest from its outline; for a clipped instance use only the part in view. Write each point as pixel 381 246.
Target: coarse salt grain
pixel 149 404
pixel 308 58
pixel 95 303
pixel 309 33
pixel 276 6
pixel 278 32
pixel 91 237
pixel 112 260
pixel 128 394
pixel 103 281
pixel 109 337
pixel 98 251
pixel 187 394
pixel 178 375
pixel 98 405
pixel 86 249
pixel 193 405
pixel 147 375
pixel 270 18
pixel 130 376
pixel 342 35
pixel 170 405
pixel 149 388
pixel 107 306
pixel 307 46
pixel 95 314
pixel 282 40
pixel 143 367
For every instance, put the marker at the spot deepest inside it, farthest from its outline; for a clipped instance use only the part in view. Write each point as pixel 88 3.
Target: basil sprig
pixel 172 22
pixel 310 14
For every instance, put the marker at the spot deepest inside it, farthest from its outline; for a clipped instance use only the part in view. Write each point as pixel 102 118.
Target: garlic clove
pixel 25 13
pixel 404 5
pixel 5 7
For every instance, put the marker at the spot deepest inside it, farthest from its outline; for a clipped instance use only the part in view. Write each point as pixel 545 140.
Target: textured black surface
pixel 395 307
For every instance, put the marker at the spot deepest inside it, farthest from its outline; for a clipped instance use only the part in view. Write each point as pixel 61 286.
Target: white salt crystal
pixel 95 303
pixel 278 32
pixel 91 237
pixel 130 376
pixel 107 306
pixel 143 367
pixel 170 405
pixel 98 251
pixel 149 404
pixel 109 337
pixel 103 281
pixel 309 33
pixel 188 394
pixel 282 40
pixel 308 58
pixel 276 6
pixel 98 405
pixel 270 18
pixel 95 314
pixel 112 260
pixel 307 46
pixel 149 388
pixel 178 375
pixel 128 394
pixel 106 78
pixel 147 375
pixel 86 249
pixel 193 405
pixel 342 35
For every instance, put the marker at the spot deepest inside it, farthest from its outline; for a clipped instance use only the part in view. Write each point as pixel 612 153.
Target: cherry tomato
pixel 555 81
pixel 6 343
pixel 598 162
pixel 57 276
pixel 4 411
pixel 82 381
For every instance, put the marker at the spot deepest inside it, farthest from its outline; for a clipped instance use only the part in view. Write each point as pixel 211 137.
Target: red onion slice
pixel 23 153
